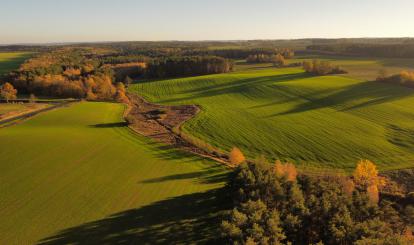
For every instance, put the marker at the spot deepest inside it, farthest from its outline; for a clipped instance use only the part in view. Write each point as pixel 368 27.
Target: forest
pixel 273 204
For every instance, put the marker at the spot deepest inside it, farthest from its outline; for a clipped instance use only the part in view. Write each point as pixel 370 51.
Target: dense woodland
pixel 405 50
pixel 275 205
pixel 187 66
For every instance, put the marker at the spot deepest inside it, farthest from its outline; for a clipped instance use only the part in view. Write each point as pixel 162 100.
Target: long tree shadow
pixel 213 174
pixel 353 97
pixel 110 125
pixel 192 218
pixel 237 86
pixel 12 63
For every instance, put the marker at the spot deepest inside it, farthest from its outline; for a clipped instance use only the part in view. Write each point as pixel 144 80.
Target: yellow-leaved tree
pixel 366 176
pixel 236 156
pixel 365 173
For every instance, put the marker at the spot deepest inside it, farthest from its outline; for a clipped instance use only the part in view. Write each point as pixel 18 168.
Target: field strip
pixel 26 115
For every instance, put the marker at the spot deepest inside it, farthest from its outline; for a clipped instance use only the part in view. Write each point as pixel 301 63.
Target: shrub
pixel 236 156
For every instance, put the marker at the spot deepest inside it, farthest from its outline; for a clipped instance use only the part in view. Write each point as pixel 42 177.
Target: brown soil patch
pixel 161 123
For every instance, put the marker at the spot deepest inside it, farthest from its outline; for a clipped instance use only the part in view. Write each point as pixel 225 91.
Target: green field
pixel 78 175
pixel 316 122
pixel 12 60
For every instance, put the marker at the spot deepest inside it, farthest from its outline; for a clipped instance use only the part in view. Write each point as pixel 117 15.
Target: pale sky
pixel 40 21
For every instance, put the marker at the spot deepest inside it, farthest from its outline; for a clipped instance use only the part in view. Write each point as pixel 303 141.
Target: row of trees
pixel 277 60
pixel 403 50
pixel 275 205
pixel 317 67
pixel 187 66
pixel 405 78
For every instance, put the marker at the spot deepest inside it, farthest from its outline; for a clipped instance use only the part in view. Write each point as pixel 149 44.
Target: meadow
pixel 327 122
pixel 79 175
pixel 12 60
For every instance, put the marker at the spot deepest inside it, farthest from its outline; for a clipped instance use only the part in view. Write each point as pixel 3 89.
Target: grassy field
pixel 365 68
pixel 78 175
pixel 316 122
pixel 7 108
pixel 12 60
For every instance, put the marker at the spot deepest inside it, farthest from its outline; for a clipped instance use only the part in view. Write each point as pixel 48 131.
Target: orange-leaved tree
pixel 236 156
pixel 348 186
pixel 373 193
pixel 287 170
pixel 8 92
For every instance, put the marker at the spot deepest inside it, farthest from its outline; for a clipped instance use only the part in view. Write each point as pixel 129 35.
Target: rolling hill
pixel 79 175
pixel 316 122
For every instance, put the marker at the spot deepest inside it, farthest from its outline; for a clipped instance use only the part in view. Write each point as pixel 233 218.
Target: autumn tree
pixel 366 176
pixel 120 93
pixel 279 60
pixel 348 186
pixel 365 173
pixel 287 170
pixel 8 92
pixel 236 156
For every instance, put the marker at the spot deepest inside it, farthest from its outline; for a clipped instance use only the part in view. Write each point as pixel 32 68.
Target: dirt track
pixel 161 122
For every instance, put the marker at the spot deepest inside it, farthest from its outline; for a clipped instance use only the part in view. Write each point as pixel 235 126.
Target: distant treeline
pixel 95 73
pixel 68 72
pixel 320 68
pixel 404 78
pixel 401 50
pixel 187 66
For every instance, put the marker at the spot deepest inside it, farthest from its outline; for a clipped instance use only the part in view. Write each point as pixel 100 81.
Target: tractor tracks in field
pixel 163 123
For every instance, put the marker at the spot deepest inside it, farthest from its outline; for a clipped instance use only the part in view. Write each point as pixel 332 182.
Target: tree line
pixel 318 67
pixel 399 50
pixel 68 73
pixel 404 78
pixel 273 204
pixel 187 66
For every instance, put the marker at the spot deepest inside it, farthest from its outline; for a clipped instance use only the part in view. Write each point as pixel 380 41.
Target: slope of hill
pixel 11 60
pixel 79 175
pixel 327 122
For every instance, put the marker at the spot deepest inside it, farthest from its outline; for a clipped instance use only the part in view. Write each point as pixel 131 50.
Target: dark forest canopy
pixel 188 66
pixel 403 50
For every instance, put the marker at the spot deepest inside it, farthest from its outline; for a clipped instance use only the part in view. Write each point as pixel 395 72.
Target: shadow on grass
pixel 234 87
pixel 192 218
pixel 110 125
pixel 353 97
pixel 13 63
pixel 214 174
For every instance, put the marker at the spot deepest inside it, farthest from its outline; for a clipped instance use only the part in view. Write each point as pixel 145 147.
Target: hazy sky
pixel 29 21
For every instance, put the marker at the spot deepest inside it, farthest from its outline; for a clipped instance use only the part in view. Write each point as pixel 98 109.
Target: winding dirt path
pixel 163 124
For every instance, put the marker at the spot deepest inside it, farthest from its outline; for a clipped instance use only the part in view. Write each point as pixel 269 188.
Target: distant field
pixel 316 122
pixel 12 60
pixel 365 68
pixel 77 175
